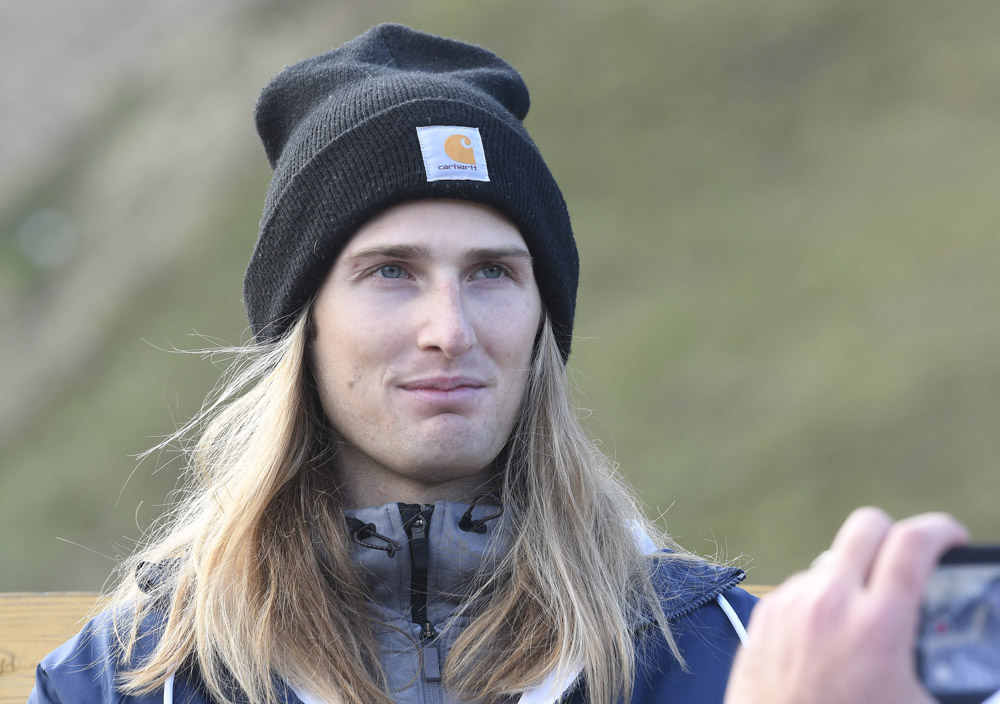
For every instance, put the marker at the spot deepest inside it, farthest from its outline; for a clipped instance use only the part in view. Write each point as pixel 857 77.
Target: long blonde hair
pixel 253 575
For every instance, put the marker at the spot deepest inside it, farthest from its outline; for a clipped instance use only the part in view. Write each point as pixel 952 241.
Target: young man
pixel 393 500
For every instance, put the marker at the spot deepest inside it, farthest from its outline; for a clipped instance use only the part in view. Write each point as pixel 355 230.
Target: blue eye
pixel 492 271
pixel 390 271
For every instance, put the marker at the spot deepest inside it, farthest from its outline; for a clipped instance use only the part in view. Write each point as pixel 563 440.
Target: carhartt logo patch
pixel 453 153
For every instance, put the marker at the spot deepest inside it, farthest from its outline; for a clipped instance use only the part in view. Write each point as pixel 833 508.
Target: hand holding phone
pixel 843 631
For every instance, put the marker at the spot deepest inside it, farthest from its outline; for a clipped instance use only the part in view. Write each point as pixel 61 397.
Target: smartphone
pixel 958 645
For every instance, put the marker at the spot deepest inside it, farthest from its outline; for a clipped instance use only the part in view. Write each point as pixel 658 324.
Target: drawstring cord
pixel 360 532
pixel 478 525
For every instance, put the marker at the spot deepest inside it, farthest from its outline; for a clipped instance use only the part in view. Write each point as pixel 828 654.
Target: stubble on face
pixel 424 336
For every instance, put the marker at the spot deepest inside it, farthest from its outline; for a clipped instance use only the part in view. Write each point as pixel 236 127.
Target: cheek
pixel 352 351
pixel 511 333
pixel 335 359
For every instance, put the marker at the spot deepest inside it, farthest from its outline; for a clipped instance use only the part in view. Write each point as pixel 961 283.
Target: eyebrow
pixel 406 252
pixel 484 253
pixel 412 252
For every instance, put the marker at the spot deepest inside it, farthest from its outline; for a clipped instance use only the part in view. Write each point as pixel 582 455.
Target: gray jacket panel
pixel 412 653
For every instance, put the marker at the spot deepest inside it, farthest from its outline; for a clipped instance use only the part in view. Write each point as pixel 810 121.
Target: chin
pixel 446 459
pixel 456 442
pixel 440 467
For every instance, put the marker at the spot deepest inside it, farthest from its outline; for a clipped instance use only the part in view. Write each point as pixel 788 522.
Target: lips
pixel 443 384
pixel 445 394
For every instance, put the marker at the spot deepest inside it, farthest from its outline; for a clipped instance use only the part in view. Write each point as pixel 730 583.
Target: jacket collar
pixel 455 555
pixel 688 583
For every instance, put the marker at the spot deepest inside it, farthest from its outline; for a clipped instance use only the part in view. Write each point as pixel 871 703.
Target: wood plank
pixel 33 624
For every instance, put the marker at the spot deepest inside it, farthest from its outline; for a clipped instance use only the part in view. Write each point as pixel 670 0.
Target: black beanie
pixel 397 115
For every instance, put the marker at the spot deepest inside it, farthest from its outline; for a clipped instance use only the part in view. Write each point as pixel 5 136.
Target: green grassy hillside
pixel 787 223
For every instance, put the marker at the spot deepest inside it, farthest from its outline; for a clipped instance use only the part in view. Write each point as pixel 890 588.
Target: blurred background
pixel 787 214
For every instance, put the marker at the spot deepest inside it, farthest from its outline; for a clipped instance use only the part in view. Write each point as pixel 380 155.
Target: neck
pixel 365 482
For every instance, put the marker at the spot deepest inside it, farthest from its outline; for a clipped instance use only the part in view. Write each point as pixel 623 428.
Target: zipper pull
pixel 432 662
pixel 419 552
pixel 430 654
pixel 417 529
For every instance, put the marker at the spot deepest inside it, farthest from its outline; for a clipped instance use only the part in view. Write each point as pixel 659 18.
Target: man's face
pixel 425 328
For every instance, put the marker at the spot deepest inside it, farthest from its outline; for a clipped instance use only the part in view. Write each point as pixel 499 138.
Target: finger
pixel 857 543
pixel 909 555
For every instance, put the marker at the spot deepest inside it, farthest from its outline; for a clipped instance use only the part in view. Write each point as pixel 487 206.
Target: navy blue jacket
pixel 83 670
pixel 695 597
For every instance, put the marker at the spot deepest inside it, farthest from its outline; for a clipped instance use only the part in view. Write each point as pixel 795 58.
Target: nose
pixel 447 326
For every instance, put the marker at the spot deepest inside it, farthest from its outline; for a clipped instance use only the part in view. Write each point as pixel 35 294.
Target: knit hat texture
pixel 344 134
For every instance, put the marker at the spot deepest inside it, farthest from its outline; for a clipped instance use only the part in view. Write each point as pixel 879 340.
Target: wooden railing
pixel 32 624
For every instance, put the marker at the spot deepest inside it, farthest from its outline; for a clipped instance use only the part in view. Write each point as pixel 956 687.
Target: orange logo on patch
pixel 458 147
